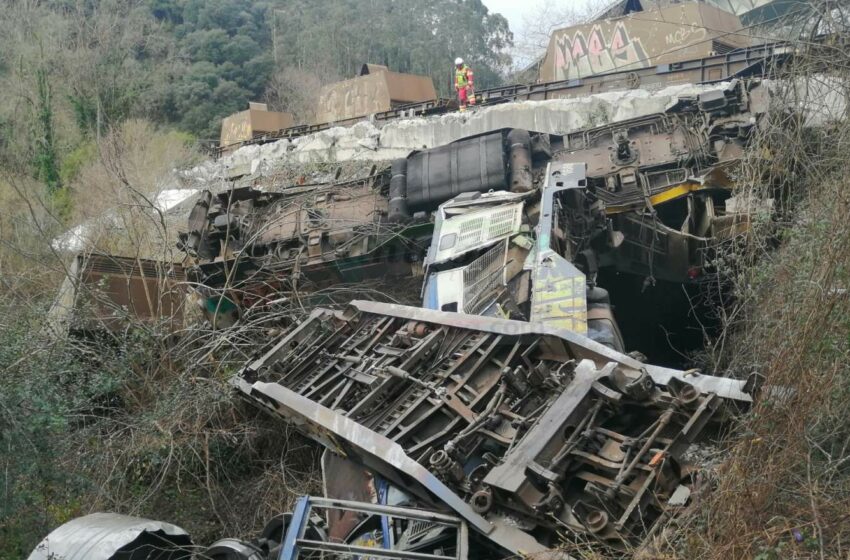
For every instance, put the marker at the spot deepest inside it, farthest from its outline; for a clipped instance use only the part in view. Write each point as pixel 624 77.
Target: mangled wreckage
pixel 526 431
pixel 651 197
pixel 503 416
pixel 505 407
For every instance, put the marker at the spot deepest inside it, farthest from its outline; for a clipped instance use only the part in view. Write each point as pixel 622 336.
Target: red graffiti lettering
pixel 596 44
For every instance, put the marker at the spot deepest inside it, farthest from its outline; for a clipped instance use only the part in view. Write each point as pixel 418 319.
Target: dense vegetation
pixel 70 70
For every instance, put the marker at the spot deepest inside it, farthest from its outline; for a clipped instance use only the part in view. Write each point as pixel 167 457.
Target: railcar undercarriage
pixel 527 432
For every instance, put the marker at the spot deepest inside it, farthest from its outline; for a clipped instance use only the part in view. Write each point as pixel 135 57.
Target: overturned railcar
pixel 471 218
pixel 102 293
pixel 530 433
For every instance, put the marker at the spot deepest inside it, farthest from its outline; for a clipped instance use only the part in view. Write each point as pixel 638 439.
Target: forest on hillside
pixel 100 101
pixel 72 69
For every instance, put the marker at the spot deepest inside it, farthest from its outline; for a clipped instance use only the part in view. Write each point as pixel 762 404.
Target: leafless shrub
pixel 532 37
pixel 783 490
pixel 296 90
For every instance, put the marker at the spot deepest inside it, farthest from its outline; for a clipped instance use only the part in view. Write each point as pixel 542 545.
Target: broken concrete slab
pixel 366 142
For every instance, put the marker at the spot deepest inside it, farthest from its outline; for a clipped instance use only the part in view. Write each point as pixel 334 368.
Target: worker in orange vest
pixel 463 84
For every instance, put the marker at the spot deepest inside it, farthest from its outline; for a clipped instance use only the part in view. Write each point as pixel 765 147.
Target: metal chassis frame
pixel 294 539
pixel 384 456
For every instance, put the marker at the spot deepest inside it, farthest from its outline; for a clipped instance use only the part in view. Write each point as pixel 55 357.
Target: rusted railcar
pixel 375 90
pixel 103 293
pixel 638 40
pixel 252 123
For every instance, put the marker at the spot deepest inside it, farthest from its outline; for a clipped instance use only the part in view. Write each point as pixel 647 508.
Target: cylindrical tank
pixel 438 174
pixel 111 536
pixel 519 148
pixel 398 211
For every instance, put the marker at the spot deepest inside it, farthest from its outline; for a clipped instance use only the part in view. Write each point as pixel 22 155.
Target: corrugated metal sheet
pixel 100 536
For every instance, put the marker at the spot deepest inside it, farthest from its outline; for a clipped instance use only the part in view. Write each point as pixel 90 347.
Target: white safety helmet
pixel 458 60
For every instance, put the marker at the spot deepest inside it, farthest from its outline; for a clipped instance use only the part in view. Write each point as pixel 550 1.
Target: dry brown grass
pixel 115 192
pixel 783 490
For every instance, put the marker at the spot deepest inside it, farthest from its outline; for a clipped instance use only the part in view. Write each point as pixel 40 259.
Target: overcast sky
pixel 513 10
pixel 516 11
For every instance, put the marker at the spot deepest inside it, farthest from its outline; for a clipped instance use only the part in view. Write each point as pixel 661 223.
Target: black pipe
pixel 519 142
pixel 398 210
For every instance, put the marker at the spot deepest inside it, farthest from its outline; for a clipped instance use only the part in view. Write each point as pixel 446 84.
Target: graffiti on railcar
pixel 236 128
pixel 578 55
pixel 352 98
pixel 686 34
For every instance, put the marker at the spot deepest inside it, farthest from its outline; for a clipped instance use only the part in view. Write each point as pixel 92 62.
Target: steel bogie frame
pixel 522 430
pixel 254 242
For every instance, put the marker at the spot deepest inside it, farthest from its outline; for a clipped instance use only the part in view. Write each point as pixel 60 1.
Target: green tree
pixel 413 36
pixel 45 159
pixel 224 52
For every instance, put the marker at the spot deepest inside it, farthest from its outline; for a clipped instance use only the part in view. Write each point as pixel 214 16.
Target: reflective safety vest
pixel 463 76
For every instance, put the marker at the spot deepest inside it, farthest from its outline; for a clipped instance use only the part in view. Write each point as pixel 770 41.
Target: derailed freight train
pixel 502 418
pixel 654 199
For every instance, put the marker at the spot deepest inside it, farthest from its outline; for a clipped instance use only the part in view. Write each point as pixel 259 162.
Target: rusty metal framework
pixel 524 431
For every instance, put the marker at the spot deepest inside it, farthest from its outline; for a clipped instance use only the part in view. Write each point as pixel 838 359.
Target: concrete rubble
pixel 366 142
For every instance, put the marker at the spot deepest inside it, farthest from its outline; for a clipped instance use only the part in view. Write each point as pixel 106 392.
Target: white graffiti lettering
pixel 686 34
pixel 577 55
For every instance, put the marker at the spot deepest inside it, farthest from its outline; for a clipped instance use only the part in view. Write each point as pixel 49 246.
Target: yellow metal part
pixel 561 302
pixel 677 191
